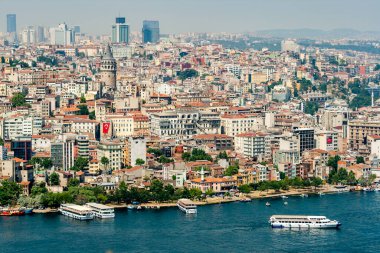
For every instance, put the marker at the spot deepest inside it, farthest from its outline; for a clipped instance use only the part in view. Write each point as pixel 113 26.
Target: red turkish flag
pixel 106 127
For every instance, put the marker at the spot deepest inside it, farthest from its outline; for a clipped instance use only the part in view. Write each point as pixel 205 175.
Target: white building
pixel 327 140
pixel 237 124
pixel 136 150
pixel 254 145
pixel 62 35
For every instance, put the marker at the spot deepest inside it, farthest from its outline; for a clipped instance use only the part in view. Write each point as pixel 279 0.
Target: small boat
pixel 246 200
pixel 376 189
pixel 28 210
pixel 304 195
pixel 285 203
pixel 301 221
pixel 11 212
pixel 321 193
pixel 368 189
pixel 139 208
pixel 267 204
pixel 131 207
pixel 284 197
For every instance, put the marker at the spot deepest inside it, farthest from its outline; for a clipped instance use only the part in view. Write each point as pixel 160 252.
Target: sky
pixel 178 16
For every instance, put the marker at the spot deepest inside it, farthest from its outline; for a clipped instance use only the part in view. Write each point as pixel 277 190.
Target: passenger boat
pixel 76 212
pixel 301 221
pixel 101 211
pixel 187 206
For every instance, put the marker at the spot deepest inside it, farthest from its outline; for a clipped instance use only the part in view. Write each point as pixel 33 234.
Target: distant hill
pixel 319 34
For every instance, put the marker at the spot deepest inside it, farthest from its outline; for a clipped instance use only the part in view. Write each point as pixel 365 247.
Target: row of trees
pixel 195 155
pixel 283 184
pixel 10 193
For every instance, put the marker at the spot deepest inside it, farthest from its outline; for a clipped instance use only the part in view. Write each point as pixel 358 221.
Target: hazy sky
pixel 97 16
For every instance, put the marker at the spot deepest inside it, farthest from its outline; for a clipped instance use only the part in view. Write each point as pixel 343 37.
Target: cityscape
pixel 167 137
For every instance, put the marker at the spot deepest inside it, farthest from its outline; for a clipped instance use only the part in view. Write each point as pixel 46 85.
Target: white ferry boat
pixel 76 212
pixel 301 221
pixel 187 206
pixel 101 211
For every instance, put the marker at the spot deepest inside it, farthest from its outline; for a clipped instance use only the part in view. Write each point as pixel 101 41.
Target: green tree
pixel 155 152
pixel 139 162
pixel 231 170
pixel 104 161
pixel 311 107
pixel 245 188
pixel 333 162
pixel 38 189
pixel 92 115
pixel 223 155
pixel 1 142
pixel 80 163
pixel 54 179
pixel 82 100
pixel 83 110
pixel 9 192
pixel 18 99
pixel 73 182
pixel 188 73
pixel 316 182
pixel 359 159
pixel 46 163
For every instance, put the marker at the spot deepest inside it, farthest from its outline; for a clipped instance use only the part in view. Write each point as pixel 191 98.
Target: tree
pixel 18 99
pixel 83 110
pixel 196 154
pixel 359 159
pixel 223 155
pixel 139 162
pixel 245 188
pixel 54 179
pixel 38 189
pixel 80 163
pixel 92 115
pixel 82 100
pixel 311 107
pixel 1 142
pixel 155 152
pixel 231 170
pixel 195 193
pixel 9 192
pixel 105 161
pixel 316 182
pixel 46 163
pixel 209 192
pixel 188 73
pixel 73 182
pixel 163 159
pixel 333 162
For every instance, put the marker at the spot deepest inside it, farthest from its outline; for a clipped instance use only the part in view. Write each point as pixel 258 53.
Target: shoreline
pixel 256 195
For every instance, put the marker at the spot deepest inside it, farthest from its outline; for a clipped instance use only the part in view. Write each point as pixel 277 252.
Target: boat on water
pixel 267 204
pixel 11 212
pixel 368 189
pixel 101 211
pixel 304 195
pixel 302 221
pixel 284 197
pixel 285 203
pixel 246 200
pixel 321 193
pixel 76 212
pixel 187 206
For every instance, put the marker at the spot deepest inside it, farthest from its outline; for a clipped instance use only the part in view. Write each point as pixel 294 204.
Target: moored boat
pixel 76 212
pixel 267 204
pixel 284 197
pixel 101 211
pixel 10 212
pixel 302 221
pixel 246 200
pixel 187 206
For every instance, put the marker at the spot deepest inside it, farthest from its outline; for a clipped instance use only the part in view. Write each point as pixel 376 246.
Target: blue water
pixel 233 227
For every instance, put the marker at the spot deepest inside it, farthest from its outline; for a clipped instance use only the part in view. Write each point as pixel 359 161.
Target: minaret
pixel 108 69
pixel 372 98
pixel 202 175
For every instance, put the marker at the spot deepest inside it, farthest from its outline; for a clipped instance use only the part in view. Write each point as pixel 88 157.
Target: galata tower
pixel 108 69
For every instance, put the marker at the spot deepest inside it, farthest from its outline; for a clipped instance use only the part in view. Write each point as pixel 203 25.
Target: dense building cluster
pixel 192 114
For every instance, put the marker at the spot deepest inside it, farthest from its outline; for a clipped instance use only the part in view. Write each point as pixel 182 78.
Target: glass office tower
pixel 11 23
pixel 151 31
pixel 120 31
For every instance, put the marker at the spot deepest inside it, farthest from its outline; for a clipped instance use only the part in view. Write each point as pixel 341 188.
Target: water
pixel 234 227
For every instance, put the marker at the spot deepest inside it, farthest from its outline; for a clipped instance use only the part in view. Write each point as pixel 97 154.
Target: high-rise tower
pixel 151 31
pixel 108 69
pixel 120 31
pixel 11 23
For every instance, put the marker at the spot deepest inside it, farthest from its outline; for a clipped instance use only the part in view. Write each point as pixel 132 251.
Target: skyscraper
pixel 120 31
pixel 151 31
pixel 62 35
pixel 11 23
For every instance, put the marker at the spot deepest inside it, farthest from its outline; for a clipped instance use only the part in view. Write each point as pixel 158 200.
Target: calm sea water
pixel 234 227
